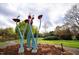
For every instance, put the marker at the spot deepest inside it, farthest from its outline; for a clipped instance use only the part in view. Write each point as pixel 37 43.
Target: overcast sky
pixel 53 13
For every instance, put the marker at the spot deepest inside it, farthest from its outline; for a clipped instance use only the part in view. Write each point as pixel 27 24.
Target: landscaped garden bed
pixel 43 49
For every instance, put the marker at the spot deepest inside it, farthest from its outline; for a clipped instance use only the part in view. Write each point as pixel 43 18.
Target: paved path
pixel 8 43
pixel 73 50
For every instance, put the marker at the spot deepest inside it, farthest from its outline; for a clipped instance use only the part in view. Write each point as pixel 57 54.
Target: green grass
pixel 2 43
pixel 68 43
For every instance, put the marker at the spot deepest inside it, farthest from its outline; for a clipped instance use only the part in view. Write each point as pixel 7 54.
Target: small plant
pixel 51 38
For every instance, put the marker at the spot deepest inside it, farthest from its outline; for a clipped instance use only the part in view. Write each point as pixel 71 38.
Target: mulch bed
pixel 43 49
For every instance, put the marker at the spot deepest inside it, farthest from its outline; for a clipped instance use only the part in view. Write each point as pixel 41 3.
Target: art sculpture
pixel 29 36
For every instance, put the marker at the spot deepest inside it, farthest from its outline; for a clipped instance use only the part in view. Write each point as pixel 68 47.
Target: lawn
pixel 68 43
pixel 2 43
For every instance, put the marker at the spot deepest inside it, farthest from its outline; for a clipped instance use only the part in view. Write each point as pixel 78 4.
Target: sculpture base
pixel 34 51
pixel 28 49
pixel 21 51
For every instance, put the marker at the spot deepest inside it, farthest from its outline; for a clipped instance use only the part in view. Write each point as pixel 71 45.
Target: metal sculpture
pixel 39 17
pixel 29 36
pixel 21 49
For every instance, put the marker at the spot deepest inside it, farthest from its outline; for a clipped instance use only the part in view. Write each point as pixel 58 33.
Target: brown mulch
pixel 43 49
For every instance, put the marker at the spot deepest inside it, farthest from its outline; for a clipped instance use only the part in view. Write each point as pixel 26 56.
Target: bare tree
pixel 72 18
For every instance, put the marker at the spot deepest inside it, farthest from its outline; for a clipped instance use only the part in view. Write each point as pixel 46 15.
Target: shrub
pixel 8 37
pixel 51 38
pixel 77 37
pixel 66 37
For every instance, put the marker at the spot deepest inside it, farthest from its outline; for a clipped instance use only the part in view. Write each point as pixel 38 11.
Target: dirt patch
pixel 43 49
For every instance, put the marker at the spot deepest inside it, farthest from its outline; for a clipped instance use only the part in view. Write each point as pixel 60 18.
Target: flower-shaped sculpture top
pixel 26 21
pixel 30 19
pixel 16 20
pixel 40 16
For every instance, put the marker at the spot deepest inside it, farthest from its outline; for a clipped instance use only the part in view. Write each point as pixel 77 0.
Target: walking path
pixel 73 50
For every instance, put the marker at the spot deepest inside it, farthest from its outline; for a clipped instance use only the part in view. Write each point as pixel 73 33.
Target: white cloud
pixel 53 12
